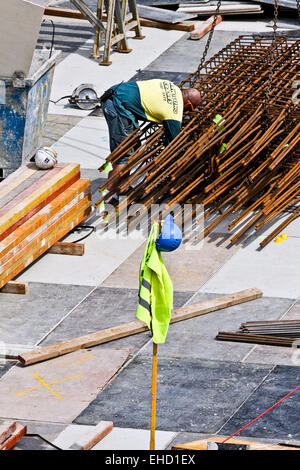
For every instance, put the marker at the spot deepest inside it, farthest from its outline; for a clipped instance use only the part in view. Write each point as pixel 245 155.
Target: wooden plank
pixel 37 181
pixel 41 249
pixel 7 218
pixel 64 13
pixel 43 242
pixel 72 195
pixel 19 432
pixel 6 429
pixel 92 437
pixel 161 15
pixel 67 13
pixel 40 206
pixel 183 26
pixel 17 178
pixel 14 287
pixel 202 444
pixel 206 26
pixel 70 208
pixel 134 327
pixel 64 248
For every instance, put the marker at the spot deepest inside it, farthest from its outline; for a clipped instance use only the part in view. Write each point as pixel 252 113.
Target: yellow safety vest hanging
pixel 156 290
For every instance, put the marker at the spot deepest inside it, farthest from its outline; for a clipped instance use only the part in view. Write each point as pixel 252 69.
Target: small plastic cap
pixel 284 236
pixel 278 240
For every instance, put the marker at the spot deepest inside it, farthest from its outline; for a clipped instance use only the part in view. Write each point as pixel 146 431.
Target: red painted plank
pixel 19 432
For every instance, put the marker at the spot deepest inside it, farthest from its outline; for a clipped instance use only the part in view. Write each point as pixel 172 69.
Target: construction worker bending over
pixel 149 100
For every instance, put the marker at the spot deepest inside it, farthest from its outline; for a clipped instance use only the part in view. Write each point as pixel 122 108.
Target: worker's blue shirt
pixel 151 100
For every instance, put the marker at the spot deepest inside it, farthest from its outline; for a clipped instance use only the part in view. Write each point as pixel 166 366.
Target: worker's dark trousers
pixel 119 127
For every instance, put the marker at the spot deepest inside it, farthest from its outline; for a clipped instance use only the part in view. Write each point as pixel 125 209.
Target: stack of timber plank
pixel 38 208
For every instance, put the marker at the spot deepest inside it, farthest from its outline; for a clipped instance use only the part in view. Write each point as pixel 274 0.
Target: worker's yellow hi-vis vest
pixel 156 291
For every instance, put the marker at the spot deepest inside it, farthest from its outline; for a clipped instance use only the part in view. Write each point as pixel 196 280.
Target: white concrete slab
pixel 20 25
pixel 58 390
pixel 117 439
pixel 79 68
pixel 87 143
pixel 102 256
pixel 274 270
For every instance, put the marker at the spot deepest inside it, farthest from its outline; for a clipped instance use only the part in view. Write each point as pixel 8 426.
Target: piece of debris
pixel 206 26
pixel 93 436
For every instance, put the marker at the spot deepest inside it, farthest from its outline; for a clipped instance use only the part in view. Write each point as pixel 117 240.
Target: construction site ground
pixel 205 386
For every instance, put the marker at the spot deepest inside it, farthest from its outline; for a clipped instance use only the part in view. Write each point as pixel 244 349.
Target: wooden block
pixel 127 329
pixel 14 287
pixel 95 435
pixel 64 248
pixel 6 429
pixel 70 197
pixel 19 432
pixel 206 26
pixel 53 184
pixel 48 238
pixel 203 444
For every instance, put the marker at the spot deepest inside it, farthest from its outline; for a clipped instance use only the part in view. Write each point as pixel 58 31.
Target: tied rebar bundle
pixel 237 153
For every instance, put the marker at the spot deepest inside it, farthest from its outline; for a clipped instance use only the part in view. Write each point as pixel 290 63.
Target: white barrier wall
pixel 20 22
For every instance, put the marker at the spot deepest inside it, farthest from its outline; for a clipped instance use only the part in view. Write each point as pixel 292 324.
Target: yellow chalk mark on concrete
pixel 37 377
pixel 47 385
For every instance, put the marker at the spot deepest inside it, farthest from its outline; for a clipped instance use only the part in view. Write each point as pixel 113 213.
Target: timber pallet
pixel 37 209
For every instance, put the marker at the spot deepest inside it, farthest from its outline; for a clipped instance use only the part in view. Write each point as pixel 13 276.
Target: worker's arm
pixel 172 129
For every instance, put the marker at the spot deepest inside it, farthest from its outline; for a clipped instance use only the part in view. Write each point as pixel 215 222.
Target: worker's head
pixel 191 98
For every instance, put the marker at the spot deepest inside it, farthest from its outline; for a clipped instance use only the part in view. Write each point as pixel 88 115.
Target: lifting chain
pixel 272 55
pixel 211 33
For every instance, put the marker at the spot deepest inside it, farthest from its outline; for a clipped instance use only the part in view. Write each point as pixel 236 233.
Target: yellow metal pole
pixel 153 401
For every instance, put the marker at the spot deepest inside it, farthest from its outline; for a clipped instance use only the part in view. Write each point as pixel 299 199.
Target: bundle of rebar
pixel 237 153
pixel 258 339
pixel 286 328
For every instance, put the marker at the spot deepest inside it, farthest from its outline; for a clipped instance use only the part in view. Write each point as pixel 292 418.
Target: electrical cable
pixel 76 229
pixel 53 35
pixel 62 98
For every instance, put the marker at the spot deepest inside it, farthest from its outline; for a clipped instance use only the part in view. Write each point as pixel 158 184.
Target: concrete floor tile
pixel 192 395
pixel 196 337
pixel 47 431
pixel 117 439
pixel 188 53
pixel 282 422
pixel 76 67
pixel 102 256
pixel 188 269
pixel 59 389
pixel 274 270
pixel 5 366
pixel 56 127
pixel 104 308
pixel 25 319
pixel 87 143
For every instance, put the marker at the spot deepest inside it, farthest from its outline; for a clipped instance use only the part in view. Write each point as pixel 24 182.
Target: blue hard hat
pixel 170 237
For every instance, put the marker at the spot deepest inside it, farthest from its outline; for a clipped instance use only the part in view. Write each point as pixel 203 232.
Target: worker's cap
pixel 170 237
